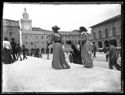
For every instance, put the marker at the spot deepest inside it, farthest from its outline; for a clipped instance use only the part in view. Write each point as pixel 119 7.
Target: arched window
pixel 106 33
pixel 113 31
pixel 41 37
pixel 106 43
pixel 94 35
pixel 114 42
pixel 47 37
pixel 100 44
pixel 100 34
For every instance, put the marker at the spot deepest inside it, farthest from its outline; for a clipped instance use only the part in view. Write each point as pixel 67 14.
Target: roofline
pixel 40 29
pixel 105 21
pixel 11 20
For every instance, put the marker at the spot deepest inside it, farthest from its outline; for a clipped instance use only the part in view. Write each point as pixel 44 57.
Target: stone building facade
pixel 74 36
pixel 107 30
pixel 35 37
pixel 11 29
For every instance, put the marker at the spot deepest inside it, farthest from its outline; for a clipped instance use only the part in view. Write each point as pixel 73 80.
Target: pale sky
pixel 67 16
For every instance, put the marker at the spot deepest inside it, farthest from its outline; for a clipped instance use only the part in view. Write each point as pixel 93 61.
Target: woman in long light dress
pixel 86 50
pixel 59 61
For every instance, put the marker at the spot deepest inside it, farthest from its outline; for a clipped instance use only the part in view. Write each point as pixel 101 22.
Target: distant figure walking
pixel 59 61
pixel 94 50
pixel 36 53
pixel 41 52
pixel 47 50
pixel 24 52
pixel 19 50
pixel 107 55
pixel 13 45
pixel 113 57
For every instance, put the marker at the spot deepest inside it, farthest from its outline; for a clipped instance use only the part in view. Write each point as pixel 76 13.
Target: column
pixel 20 33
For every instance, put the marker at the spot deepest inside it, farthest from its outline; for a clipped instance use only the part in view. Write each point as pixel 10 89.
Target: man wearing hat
pixel 59 61
pixel 13 45
pixel 113 57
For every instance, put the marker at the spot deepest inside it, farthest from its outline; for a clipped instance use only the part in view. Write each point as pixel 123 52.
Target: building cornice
pixel 107 21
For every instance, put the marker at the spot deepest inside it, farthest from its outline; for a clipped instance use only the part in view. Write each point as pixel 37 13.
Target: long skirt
pixel 77 58
pixel 59 61
pixel 6 56
pixel 86 55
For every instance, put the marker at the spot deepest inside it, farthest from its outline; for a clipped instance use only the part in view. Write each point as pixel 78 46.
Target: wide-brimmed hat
pixel 55 28
pixel 82 28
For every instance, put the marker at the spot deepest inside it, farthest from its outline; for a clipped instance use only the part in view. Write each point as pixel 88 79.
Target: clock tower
pixel 26 23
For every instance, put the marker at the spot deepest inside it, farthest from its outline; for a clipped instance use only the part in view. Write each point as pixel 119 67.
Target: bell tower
pixel 26 23
pixel 25 14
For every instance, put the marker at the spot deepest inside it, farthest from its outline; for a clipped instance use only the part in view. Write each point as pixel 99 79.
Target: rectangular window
pixel 41 37
pixel 10 34
pixel 25 36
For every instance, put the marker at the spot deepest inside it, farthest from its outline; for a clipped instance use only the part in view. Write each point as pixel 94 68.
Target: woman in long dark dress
pixel 6 52
pixel 59 61
pixel 75 53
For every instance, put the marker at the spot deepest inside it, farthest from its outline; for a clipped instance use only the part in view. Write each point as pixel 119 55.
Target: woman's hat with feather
pixel 55 28
pixel 82 29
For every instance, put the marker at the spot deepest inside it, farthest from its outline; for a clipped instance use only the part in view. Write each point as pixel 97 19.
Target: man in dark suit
pixel 94 50
pixel 24 52
pixel 113 57
pixel 47 50
pixel 13 45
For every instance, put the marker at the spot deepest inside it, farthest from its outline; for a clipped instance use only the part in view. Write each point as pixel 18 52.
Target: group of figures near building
pixel 82 55
pixel 11 51
pixel 36 52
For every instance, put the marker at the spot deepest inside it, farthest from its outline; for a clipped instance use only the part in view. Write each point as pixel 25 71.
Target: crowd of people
pixel 82 55
pixel 38 53
pixel 11 51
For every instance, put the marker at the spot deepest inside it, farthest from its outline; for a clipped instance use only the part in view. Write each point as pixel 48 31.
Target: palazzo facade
pixel 107 30
pixel 11 29
pixel 35 37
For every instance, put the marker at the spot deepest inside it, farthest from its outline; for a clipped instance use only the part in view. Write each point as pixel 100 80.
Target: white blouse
pixel 6 44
